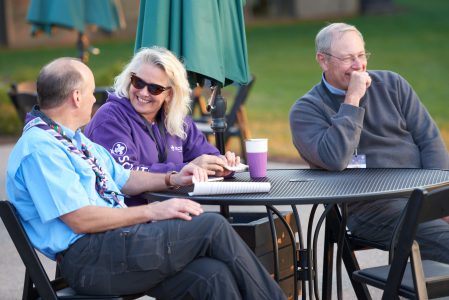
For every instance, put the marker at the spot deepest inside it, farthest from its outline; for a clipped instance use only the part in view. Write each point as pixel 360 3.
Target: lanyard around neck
pixel 160 143
pixel 100 177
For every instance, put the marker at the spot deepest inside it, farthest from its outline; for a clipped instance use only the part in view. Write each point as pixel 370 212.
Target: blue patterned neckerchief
pixel 100 177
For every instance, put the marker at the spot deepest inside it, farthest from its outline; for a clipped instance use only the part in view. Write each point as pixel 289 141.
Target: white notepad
pixel 217 188
pixel 238 168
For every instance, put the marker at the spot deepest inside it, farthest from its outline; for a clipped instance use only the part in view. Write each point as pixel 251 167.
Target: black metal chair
pixel 101 95
pixel 23 96
pixel 236 119
pixel 417 279
pixel 351 243
pixel 37 285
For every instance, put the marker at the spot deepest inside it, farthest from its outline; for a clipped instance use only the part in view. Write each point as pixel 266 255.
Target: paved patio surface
pixel 12 270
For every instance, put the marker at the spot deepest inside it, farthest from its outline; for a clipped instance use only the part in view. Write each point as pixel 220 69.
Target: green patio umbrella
pixel 76 15
pixel 208 35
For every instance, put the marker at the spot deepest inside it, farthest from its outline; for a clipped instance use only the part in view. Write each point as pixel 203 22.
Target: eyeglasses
pixel 347 60
pixel 154 89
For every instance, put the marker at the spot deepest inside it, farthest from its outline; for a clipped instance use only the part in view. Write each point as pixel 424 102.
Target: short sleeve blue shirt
pixel 45 180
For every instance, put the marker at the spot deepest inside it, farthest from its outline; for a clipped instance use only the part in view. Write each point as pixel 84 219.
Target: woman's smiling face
pixel 142 100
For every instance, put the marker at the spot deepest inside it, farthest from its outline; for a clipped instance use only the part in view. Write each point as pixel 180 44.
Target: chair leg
pixel 348 256
pixel 419 279
pixel 203 106
pixel 242 119
pixel 352 265
pixel 28 291
pixel 244 134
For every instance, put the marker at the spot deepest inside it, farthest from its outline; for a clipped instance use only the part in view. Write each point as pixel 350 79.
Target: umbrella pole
pixel 217 109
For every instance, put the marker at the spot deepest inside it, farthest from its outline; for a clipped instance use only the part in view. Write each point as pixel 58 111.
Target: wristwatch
pixel 167 180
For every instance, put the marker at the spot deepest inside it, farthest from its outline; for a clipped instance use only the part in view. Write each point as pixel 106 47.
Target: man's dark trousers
pixel 199 259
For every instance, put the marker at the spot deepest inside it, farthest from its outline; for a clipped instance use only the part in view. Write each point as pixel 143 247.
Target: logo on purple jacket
pixel 119 149
pixel 176 148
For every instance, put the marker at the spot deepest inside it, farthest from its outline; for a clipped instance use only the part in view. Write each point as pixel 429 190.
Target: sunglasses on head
pixel 153 89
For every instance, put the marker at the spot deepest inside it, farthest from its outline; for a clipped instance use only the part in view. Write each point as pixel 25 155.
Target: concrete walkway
pixel 12 270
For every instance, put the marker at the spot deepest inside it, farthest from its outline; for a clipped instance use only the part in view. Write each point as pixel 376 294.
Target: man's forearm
pixel 92 219
pixel 140 182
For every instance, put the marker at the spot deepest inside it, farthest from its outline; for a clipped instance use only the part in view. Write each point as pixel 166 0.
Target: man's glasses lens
pixel 153 88
pixel 351 58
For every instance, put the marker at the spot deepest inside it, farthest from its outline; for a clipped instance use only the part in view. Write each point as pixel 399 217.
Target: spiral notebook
pixel 218 188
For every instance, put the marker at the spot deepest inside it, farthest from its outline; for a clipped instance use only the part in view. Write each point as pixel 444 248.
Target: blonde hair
pixel 177 108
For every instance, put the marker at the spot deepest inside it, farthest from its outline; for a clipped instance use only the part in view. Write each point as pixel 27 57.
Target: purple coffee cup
pixel 256 155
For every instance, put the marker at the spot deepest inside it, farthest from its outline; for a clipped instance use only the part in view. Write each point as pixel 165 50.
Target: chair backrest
pixel 24 97
pixel 239 101
pixel 422 206
pixel 101 94
pixel 26 251
pixel 44 288
pixel 231 117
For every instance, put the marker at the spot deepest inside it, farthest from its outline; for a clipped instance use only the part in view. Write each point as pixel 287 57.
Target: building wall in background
pixel 320 9
pixel 300 9
pixel 15 31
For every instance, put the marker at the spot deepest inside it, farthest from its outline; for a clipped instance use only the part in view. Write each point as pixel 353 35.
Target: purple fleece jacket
pixel 121 130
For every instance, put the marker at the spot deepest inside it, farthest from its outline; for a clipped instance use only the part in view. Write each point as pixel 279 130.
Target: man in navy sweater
pixel 372 119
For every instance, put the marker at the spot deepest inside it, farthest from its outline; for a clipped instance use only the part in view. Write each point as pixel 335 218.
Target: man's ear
pixel 322 61
pixel 76 97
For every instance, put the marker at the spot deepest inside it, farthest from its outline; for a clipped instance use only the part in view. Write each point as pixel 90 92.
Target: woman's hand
pixel 185 176
pixel 213 164
pixel 231 159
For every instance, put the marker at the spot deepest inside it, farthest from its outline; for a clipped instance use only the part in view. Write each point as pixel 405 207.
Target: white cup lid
pixel 256 145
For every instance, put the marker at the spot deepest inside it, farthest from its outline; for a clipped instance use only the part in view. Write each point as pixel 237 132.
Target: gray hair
pixel 178 107
pixel 325 37
pixel 56 81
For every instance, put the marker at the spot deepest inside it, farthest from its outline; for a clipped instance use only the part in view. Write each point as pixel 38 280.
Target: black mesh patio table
pixel 308 186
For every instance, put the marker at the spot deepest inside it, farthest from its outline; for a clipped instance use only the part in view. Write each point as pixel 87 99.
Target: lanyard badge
pixel 358 161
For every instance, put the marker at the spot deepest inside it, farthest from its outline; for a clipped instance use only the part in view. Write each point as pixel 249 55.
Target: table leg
pixel 314 247
pixel 224 211
pixel 270 210
pixel 341 240
pixel 311 270
pixel 302 264
pixel 328 261
pixel 274 241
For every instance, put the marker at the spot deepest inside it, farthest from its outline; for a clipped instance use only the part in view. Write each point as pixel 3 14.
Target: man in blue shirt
pixel 68 194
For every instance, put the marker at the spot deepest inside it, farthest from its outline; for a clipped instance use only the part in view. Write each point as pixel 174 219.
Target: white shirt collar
pixel 333 89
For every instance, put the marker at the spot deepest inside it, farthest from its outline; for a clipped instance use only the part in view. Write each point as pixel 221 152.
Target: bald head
pixel 58 79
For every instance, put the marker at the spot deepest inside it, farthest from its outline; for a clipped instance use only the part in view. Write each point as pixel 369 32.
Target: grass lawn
pixel 413 42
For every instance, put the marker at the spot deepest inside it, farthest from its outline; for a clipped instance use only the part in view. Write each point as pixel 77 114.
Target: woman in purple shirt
pixel 145 123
